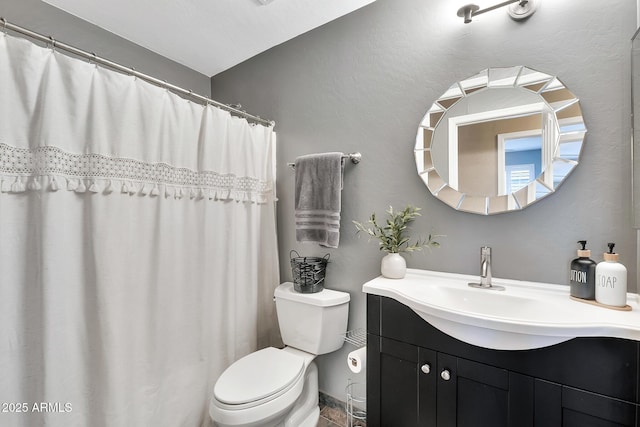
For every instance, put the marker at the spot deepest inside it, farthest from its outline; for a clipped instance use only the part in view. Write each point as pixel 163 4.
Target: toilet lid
pixel 258 376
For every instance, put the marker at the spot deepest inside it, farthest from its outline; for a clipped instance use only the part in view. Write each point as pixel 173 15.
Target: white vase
pixel 393 266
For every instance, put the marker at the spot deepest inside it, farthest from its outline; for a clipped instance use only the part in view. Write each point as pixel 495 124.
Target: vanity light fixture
pixel 522 10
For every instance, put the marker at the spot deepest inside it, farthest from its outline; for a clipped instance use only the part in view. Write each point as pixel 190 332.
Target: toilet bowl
pixel 261 389
pixel 279 387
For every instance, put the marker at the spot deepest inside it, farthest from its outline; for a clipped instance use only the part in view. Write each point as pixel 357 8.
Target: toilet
pixel 279 387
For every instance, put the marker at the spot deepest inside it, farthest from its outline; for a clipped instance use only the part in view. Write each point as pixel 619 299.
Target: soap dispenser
pixel 611 280
pixel 583 274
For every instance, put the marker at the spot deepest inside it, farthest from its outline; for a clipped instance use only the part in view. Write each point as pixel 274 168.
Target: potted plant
pixel 393 239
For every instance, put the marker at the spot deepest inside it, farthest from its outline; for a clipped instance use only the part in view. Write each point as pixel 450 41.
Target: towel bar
pixel 354 157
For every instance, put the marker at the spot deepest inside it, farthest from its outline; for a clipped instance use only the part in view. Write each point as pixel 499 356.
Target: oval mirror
pixel 499 140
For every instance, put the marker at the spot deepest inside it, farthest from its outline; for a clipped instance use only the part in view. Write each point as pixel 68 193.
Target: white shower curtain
pixel 138 252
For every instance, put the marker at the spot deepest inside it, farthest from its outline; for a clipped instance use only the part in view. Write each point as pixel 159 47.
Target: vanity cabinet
pixel 419 376
pixel 422 387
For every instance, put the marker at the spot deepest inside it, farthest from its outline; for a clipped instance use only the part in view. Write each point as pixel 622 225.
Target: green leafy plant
pixel 392 235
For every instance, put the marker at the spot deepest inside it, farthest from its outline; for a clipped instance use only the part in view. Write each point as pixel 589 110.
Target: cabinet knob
pixel 426 368
pixel 446 375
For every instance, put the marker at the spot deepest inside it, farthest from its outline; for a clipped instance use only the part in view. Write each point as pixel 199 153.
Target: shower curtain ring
pixel 53 43
pixel 94 60
pixel 4 25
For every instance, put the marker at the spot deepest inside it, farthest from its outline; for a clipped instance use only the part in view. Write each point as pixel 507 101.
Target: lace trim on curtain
pixel 51 168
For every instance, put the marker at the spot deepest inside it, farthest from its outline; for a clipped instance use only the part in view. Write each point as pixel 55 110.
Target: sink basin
pixel 525 315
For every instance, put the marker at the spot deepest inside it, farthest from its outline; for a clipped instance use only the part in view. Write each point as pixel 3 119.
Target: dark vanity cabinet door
pixel 428 387
pixel 471 394
pixel 398 384
pixel 562 406
pixel 421 387
pixel 418 376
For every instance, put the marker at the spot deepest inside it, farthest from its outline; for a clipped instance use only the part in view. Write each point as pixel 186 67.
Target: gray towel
pixel 318 198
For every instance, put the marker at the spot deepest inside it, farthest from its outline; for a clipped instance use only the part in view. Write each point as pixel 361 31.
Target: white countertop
pixel 525 315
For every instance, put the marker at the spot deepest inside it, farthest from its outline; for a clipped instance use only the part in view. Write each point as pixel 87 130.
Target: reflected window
pixel 520 158
pixel 519 176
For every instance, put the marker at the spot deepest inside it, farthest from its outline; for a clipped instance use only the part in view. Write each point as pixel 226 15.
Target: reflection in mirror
pixel 499 140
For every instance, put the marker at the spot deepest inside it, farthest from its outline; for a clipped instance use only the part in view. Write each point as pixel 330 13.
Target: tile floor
pixel 323 422
pixel 332 415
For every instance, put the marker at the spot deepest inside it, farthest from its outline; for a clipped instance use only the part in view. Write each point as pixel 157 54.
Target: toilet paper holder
pixel 357 359
pixel 356 403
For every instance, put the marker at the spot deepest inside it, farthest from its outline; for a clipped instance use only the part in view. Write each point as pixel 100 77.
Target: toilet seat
pixel 258 378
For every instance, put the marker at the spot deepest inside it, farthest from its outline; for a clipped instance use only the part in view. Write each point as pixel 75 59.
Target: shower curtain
pixel 138 251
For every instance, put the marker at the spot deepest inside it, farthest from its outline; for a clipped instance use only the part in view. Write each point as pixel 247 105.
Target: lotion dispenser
pixel 583 274
pixel 611 280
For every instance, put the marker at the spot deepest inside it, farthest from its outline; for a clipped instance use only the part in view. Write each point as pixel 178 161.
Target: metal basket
pixel 308 272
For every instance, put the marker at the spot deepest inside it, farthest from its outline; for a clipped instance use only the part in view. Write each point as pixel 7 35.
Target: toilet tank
pixel 315 323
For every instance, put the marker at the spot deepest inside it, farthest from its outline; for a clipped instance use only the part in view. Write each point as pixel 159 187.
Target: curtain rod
pixel 131 71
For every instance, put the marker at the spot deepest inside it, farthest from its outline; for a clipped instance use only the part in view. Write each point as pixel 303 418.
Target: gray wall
pixel 48 20
pixel 363 83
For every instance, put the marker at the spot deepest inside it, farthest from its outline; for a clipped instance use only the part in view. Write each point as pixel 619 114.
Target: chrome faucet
pixel 485 266
pixel 485 271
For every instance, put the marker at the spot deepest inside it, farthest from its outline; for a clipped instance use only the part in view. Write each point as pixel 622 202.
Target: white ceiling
pixel 208 36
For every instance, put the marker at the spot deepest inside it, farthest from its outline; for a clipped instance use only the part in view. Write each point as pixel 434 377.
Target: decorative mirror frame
pixel 560 154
